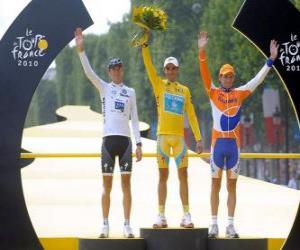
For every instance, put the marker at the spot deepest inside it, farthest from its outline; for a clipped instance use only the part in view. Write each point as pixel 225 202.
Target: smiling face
pixel 116 74
pixel 171 72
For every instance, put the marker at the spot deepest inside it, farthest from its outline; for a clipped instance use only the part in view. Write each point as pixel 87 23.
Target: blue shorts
pixel 225 155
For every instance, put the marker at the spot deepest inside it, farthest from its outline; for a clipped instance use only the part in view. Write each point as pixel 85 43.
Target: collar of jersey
pixel 170 83
pixel 225 89
pixel 117 85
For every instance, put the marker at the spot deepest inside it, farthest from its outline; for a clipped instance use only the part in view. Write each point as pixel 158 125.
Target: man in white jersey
pixel 118 106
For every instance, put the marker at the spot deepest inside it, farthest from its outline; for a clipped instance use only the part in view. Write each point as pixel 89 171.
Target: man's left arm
pixel 260 76
pixel 190 111
pixel 135 126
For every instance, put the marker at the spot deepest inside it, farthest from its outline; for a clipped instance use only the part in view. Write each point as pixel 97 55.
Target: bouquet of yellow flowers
pixel 148 18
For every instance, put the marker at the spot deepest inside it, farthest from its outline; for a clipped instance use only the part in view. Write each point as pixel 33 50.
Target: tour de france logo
pixel 28 49
pixel 289 55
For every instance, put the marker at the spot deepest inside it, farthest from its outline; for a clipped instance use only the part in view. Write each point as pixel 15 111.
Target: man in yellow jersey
pixel 173 101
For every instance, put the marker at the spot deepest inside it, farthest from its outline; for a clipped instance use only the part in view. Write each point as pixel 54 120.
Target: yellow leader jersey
pixel 173 100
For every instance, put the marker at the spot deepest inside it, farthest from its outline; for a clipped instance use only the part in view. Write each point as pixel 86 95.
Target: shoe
pixel 104 231
pixel 213 231
pixel 231 232
pixel 127 231
pixel 187 221
pixel 161 222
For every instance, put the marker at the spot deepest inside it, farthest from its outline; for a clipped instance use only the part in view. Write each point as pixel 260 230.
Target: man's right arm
pixel 89 72
pixel 91 75
pixel 204 71
pixel 153 77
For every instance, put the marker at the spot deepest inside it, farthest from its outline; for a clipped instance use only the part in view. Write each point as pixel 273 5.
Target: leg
pixel 125 162
pixel 232 175
pixel 183 186
pixel 162 186
pixel 231 201
pixel 107 162
pixel 126 188
pixel 163 152
pixel 214 195
pixel 163 156
pixel 180 154
pixel 107 185
pixel 217 163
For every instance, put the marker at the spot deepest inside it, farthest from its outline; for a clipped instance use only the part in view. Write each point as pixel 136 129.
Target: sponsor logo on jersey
pixel 124 93
pixel 173 103
pixel 119 106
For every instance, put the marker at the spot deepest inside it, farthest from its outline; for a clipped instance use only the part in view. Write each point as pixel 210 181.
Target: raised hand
pixel 273 49
pixel 202 40
pixel 79 39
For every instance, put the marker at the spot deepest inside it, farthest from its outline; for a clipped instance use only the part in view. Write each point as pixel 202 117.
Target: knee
pixel 163 177
pixel 183 175
pixel 126 185
pixel 216 185
pixel 231 186
pixel 107 188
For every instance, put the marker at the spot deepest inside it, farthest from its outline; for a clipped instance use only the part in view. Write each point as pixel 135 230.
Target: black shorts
pixel 113 146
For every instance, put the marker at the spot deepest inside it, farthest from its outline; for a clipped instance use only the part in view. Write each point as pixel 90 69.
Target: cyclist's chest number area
pixel 119 100
pixel 173 101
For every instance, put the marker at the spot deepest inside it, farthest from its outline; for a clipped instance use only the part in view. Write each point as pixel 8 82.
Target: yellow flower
pixel 149 18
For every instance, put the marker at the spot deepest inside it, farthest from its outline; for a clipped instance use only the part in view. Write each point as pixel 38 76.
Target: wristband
pixel 270 62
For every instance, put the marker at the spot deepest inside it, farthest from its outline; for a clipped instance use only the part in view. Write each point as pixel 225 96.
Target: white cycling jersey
pixel 118 104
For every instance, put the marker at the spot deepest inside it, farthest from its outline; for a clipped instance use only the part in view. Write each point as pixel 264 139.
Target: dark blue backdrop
pixel 27 49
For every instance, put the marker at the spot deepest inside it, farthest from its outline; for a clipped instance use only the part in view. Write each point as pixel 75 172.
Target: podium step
pixel 175 238
pixel 237 244
pixel 112 244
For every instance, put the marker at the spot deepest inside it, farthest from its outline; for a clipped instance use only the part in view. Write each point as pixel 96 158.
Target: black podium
pixel 237 244
pixel 175 238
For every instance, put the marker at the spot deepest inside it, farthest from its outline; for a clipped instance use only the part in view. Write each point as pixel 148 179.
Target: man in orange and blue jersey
pixel 226 104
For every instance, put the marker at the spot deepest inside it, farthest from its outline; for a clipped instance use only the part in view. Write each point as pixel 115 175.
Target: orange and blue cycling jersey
pixel 226 111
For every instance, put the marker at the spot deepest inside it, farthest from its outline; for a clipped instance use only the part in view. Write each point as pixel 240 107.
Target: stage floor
pixel 63 195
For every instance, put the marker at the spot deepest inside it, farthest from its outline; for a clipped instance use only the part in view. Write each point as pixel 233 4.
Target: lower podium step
pixel 175 238
pixel 237 244
pixel 112 244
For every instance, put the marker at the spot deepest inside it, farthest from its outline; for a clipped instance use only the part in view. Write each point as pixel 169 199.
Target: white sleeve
pixel 89 72
pixel 134 118
pixel 257 80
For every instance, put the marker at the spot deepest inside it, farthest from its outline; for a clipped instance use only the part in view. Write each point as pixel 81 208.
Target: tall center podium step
pixel 112 244
pixel 238 244
pixel 175 238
